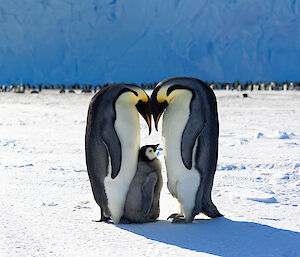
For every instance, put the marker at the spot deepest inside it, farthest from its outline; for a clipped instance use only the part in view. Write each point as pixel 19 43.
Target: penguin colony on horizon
pixel 87 88
pixel 126 180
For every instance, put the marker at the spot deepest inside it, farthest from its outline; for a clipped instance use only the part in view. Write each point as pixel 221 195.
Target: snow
pixel 47 206
pixel 68 41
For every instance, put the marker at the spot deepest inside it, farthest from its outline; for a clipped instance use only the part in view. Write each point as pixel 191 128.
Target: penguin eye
pixel 150 151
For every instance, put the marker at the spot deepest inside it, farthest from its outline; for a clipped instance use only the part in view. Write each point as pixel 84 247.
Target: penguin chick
pixel 142 202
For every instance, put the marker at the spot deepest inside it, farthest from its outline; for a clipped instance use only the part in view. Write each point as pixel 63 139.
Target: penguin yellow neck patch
pixel 142 96
pixel 162 94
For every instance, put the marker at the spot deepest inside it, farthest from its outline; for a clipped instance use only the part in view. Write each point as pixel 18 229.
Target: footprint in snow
pixel 78 207
pixel 159 151
pixel 259 135
pixel 263 200
pixel 50 204
pixel 285 135
pixel 243 141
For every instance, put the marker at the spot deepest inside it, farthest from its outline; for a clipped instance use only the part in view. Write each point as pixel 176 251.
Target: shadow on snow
pixel 222 237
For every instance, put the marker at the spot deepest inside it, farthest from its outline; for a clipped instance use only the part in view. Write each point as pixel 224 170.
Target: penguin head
pixel 148 152
pixel 162 95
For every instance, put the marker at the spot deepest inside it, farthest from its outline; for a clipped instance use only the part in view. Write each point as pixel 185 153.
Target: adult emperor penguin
pixel 112 143
pixel 142 202
pixel 190 132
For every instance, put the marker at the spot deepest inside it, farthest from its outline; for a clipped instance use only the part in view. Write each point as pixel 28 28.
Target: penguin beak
pixel 157 109
pixel 144 109
pixel 155 147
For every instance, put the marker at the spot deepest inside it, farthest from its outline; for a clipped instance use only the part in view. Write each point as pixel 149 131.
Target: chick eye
pixel 150 151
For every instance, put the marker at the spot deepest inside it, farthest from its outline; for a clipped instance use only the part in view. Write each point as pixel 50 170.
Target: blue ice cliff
pixel 98 41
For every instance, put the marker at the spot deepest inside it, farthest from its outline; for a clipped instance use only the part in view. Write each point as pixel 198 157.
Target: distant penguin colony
pixel 126 182
pixel 142 202
pixel 88 88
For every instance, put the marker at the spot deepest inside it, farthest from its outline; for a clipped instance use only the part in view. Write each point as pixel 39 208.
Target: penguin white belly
pixel 127 126
pixel 182 183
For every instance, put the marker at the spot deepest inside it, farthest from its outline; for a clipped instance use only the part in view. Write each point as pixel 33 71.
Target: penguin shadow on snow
pixel 221 236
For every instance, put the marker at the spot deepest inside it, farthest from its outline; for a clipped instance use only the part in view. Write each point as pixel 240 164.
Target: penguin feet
pixel 103 219
pixel 172 216
pixel 177 218
pixel 211 211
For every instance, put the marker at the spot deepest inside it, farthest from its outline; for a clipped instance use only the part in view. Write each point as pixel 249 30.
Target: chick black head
pixel 148 152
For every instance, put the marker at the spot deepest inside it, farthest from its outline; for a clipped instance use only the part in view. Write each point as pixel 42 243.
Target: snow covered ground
pixel 47 206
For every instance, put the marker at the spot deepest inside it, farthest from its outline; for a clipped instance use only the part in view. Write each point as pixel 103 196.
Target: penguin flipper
pixel 147 192
pixel 113 146
pixel 191 132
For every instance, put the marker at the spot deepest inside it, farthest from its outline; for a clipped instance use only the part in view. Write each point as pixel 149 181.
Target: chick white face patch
pixel 150 153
